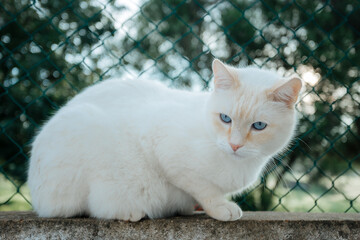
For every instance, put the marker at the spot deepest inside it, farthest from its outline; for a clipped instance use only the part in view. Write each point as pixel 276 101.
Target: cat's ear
pixel 288 92
pixel 222 77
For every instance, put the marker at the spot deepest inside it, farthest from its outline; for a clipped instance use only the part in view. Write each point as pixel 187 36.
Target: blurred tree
pixel 48 52
pixel 40 44
pixel 164 36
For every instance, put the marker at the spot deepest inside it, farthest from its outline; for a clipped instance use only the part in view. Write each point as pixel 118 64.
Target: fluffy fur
pixel 130 149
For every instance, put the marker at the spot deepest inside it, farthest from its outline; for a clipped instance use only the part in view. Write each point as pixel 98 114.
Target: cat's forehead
pixel 250 96
pixel 257 79
pixel 242 102
pixel 247 102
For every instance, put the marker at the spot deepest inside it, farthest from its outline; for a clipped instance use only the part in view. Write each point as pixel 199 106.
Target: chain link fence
pixel 51 49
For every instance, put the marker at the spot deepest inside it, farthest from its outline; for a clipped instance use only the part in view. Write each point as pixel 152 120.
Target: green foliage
pixel 51 49
pixel 35 76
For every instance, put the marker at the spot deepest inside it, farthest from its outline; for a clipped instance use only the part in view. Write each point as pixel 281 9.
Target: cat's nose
pixel 235 146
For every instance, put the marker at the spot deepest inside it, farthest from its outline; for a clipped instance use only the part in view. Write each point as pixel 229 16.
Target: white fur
pixel 126 149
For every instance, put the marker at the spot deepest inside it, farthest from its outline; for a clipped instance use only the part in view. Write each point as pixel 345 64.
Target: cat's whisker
pixel 299 139
pixel 287 166
pixel 272 169
pixel 281 178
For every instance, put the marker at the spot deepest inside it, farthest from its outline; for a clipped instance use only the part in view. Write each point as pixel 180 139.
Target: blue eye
pixel 225 118
pixel 259 125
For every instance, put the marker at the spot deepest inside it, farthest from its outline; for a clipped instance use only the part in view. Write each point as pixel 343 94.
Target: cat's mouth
pixel 242 153
pixel 239 154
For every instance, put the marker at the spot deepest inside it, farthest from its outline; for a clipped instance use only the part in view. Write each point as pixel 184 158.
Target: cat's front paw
pixel 225 211
pixel 133 216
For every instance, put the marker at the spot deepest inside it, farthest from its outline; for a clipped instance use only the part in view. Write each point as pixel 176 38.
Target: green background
pixel 51 49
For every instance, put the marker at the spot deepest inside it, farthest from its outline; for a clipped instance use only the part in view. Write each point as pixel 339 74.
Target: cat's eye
pixel 225 118
pixel 259 125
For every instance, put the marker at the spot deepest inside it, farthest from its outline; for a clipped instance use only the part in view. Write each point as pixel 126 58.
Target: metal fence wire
pixel 51 49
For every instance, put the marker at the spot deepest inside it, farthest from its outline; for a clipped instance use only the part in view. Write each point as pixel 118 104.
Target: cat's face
pixel 252 111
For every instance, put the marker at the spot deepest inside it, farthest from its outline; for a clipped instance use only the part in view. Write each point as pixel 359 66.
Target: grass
pixel 13 197
pixel 323 195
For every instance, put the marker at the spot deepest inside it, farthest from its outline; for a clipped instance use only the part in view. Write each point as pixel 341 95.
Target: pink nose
pixel 235 147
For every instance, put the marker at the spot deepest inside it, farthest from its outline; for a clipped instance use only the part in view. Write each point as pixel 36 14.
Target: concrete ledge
pixel 253 225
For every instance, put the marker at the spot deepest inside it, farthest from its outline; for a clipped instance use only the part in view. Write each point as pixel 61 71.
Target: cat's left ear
pixel 222 77
pixel 288 92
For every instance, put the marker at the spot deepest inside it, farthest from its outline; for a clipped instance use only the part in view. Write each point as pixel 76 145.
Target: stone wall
pixel 253 225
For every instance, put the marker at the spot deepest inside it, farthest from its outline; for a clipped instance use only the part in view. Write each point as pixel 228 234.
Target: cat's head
pixel 251 110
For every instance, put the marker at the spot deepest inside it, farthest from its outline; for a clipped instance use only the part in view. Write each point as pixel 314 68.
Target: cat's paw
pixel 225 211
pixel 134 216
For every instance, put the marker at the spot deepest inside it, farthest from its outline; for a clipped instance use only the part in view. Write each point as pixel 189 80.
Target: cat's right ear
pixel 288 92
pixel 222 77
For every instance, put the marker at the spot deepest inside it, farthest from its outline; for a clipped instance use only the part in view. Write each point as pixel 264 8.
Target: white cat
pixel 130 149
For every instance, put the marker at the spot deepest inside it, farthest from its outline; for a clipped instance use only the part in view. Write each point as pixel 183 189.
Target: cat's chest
pixel 234 175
